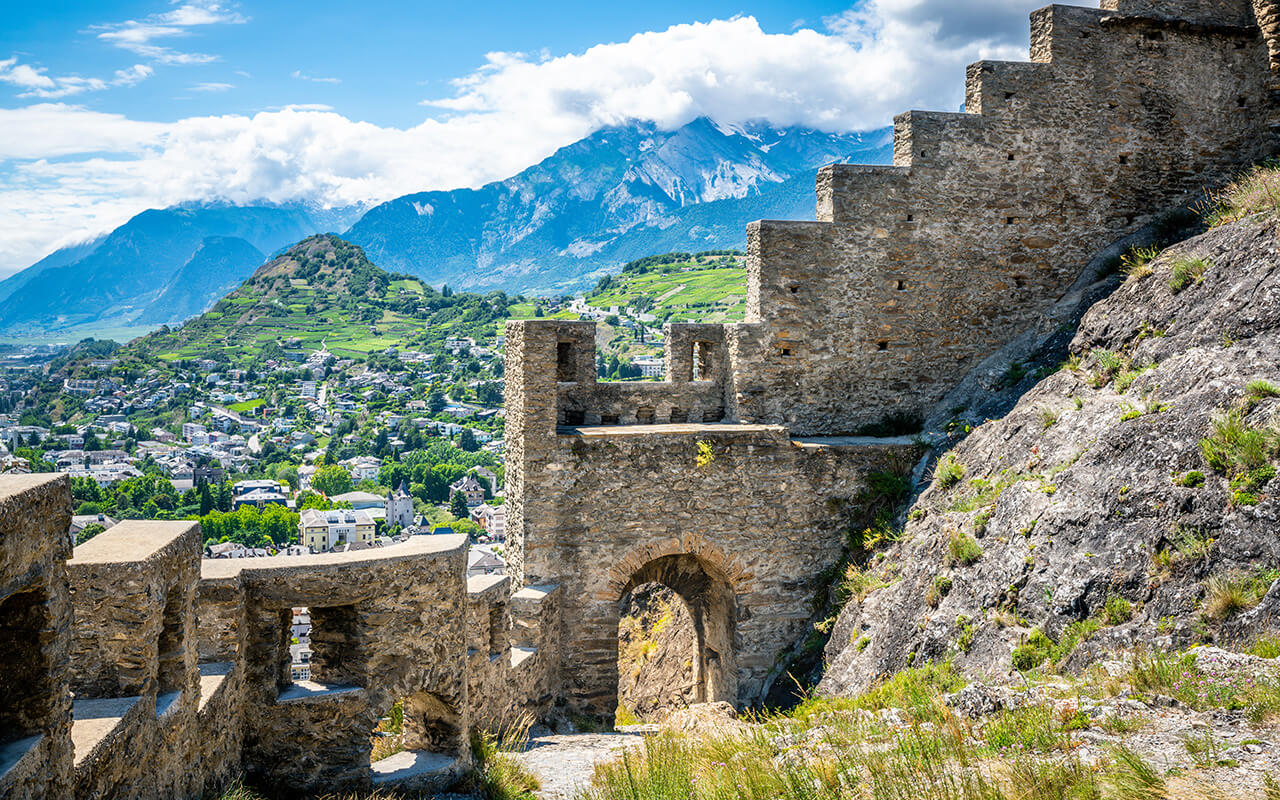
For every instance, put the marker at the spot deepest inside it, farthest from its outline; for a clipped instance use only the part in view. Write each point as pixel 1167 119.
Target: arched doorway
pixel 708 595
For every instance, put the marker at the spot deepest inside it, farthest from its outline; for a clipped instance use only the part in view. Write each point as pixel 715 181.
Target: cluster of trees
pixel 428 472
pixel 151 496
pixel 273 526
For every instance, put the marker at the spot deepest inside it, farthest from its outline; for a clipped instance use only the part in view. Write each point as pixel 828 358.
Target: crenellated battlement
pixel 733 482
pixel 188 662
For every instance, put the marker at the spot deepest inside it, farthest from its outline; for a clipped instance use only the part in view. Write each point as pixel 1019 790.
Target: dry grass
pixel 1254 192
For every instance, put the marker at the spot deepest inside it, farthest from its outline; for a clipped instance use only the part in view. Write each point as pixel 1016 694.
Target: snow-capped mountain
pixel 621 193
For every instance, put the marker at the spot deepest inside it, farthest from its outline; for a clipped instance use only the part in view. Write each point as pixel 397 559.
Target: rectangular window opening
pixel 172 645
pixel 566 367
pixel 703 361
pixel 900 286
pixel 882 345
pixel 331 637
pixel 1011 221
pixel 497 630
pixel 645 415
pixel 25 704
pixel 679 416
pixel 1124 159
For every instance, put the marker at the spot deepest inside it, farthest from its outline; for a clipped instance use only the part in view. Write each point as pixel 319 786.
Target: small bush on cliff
pixel 963 549
pixel 1117 610
pixel 1136 263
pixel 1036 650
pixel 1234 447
pixel 1187 271
pixel 949 471
pixel 1230 593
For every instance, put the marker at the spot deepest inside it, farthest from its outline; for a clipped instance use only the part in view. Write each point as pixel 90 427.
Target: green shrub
pixel 1260 389
pixel 1192 480
pixel 1117 610
pixel 1036 650
pixel 963 549
pixel 949 471
pixel 1233 446
pixel 1187 271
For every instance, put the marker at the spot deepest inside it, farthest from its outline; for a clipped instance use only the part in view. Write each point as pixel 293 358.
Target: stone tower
pixel 400 507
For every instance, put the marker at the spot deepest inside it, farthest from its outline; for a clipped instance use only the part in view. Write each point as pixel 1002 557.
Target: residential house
pixel 325 530
pixel 470 487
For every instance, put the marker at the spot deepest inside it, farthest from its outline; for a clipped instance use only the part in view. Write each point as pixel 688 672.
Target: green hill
pixel 679 287
pixel 324 293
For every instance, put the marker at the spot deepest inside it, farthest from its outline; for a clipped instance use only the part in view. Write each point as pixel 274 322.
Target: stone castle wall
pixel 743 538
pixel 914 273
pixel 911 276
pixel 732 482
pixel 181 668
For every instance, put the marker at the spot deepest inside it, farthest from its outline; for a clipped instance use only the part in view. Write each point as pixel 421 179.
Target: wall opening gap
pixel 172 645
pixel 25 675
pixel 566 367
pixel 703 360
pixel 645 415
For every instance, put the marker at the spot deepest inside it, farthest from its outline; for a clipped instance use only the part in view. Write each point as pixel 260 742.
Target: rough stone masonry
pixel 732 482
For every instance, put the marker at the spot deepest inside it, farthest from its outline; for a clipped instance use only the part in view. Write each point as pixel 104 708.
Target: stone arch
pixel 709 593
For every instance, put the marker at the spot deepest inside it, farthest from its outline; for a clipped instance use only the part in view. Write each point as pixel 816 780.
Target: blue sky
pixel 110 108
pixel 376 60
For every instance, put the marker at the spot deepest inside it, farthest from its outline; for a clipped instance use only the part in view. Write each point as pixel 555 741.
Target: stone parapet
pixel 36 752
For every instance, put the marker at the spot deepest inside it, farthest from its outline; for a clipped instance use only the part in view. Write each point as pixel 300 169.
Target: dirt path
pixel 563 763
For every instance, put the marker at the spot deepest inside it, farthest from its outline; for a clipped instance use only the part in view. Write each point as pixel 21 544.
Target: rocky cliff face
pixel 1127 499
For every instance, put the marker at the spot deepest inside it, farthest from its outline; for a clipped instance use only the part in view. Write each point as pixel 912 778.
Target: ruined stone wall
pixel 182 681
pixel 133 659
pixel 512 653
pixel 386 626
pixel 914 273
pixel 743 539
pixel 35 636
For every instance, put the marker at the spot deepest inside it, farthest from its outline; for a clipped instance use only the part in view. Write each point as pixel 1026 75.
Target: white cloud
pixel 37 83
pixel 139 36
pixel 67 172
pixel 300 76
pixel 211 87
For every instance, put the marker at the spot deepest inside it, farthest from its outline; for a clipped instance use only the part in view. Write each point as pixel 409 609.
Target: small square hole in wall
pixel 911 218
pixel 1011 156
pixel 1242 101
pixel 900 286
pixel 1008 95
pixel 794 289
pixel 786 351
pixel 1084 34
pixel 1124 159
pixel 1010 220
pixel 882 345
pixel 924 153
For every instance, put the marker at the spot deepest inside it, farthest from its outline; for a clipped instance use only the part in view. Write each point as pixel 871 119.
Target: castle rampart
pixel 734 482
pixel 911 276
pixel 181 668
